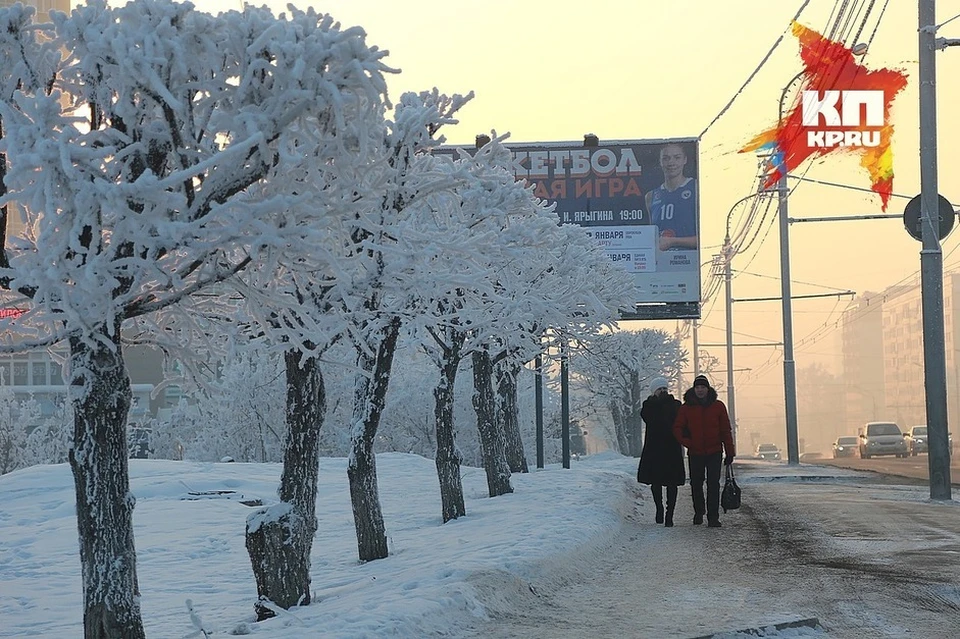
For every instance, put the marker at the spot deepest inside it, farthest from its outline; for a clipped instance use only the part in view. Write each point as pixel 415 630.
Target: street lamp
pixel 789 364
pixel 727 253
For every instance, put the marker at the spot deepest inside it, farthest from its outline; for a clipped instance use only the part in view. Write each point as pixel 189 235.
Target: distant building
pixel 903 358
pixel 882 341
pixel 43 6
pixel 861 328
pixel 38 374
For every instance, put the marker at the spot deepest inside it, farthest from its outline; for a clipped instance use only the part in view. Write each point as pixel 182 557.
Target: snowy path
pixel 865 561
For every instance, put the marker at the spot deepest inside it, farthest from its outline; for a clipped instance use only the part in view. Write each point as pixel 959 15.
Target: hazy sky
pixel 554 70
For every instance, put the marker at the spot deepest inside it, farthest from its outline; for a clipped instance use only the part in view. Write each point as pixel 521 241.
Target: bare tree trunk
pixel 370 391
pixel 101 397
pixel 632 418
pixel 508 415
pixel 620 429
pixel 448 458
pixel 280 537
pixel 492 441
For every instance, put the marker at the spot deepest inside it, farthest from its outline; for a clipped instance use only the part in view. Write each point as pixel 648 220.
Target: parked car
pixel 845 446
pixel 917 441
pixel 768 451
pixel 882 438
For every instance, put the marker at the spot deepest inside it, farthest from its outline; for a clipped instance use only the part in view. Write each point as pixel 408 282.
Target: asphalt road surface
pixel 911 467
pixel 868 557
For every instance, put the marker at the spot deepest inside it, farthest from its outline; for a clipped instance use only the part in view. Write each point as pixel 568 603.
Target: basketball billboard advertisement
pixel 639 200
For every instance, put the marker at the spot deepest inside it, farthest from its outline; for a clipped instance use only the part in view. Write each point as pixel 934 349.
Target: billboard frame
pixel 685 276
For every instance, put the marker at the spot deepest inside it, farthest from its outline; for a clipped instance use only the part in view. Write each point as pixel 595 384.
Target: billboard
pixel 640 201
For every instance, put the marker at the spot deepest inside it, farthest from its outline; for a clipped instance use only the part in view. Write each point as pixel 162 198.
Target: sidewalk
pixel 816 551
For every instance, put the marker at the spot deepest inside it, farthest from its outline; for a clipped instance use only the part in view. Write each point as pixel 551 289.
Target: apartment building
pixel 38 374
pixel 862 345
pixel 883 373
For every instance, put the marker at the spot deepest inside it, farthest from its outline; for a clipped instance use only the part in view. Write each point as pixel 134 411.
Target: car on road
pixel 846 446
pixel 917 441
pixel 768 451
pixel 882 438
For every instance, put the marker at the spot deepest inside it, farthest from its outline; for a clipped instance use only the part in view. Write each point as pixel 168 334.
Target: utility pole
pixel 696 349
pixel 564 402
pixel 538 405
pixel 789 365
pixel 931 261
pixel 728 283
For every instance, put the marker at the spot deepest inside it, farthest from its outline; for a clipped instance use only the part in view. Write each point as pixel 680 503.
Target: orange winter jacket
pixel 703 427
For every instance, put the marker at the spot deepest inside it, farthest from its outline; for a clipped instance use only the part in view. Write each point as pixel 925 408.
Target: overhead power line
pixel 851 187
pixel 755 71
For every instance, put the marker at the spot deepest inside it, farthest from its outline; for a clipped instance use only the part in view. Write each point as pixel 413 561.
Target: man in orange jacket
pixel 703 427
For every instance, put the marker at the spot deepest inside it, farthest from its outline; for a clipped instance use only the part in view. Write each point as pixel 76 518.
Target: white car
pixel 882 438
pixel 768 451
pixel 917 441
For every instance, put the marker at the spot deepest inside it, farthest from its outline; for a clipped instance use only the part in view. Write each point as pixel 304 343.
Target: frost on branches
pixel 155 149
pixel 614 371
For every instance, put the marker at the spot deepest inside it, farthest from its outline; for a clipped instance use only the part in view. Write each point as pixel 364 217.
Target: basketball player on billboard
pixel 673 204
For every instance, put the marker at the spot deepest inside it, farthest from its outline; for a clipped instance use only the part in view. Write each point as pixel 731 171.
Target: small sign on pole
pixel 911 218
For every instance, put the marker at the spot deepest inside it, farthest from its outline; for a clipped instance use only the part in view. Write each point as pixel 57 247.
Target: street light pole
pixel 696 349
pixel 931 262
pixel 789 365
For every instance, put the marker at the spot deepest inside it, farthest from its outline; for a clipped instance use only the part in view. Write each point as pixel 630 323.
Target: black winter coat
pixel 661 461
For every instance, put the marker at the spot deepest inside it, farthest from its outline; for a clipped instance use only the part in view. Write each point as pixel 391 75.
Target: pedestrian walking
pixel 661 460
pixel 703 427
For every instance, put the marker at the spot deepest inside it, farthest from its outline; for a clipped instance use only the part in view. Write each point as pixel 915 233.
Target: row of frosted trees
pixel 240 181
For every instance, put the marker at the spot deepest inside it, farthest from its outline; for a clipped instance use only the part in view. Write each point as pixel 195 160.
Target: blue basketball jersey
pixel 675 210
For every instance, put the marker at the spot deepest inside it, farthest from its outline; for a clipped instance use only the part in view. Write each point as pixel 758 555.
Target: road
pixel 912 467
pixel 866 556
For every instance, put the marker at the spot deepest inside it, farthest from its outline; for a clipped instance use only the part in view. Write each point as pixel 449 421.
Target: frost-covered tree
pixel 18 421
pixel 516 270
pixel 153 147
pixel 614 371
pixel 49 443
pixel 238 415
pixel 370 283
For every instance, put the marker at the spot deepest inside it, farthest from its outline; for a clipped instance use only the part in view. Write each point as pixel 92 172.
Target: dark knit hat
pixel 701 380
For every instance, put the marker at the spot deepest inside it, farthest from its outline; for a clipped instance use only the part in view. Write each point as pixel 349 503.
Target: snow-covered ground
pixel 569 552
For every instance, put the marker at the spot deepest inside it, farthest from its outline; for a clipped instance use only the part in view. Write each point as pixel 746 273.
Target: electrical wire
pixel 948 21
pixel 755 71
pixel 843 186
pixel 792 281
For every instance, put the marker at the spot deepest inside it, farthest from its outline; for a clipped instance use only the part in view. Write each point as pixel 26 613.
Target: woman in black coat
pixel 661 460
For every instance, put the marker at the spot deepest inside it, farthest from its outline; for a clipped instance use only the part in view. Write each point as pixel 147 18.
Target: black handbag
pixel 730 497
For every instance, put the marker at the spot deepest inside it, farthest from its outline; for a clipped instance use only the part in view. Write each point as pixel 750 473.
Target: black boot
pixel 671 504
pixel 658 500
